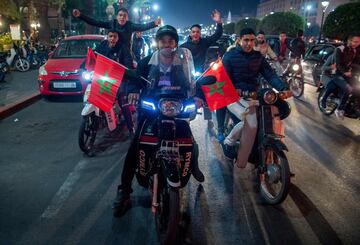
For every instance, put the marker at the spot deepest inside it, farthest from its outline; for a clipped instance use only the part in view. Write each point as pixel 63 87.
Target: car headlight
pixel 170 108
pixel 270 97
pixel 42 71
pixel 87 75
pixel 295 67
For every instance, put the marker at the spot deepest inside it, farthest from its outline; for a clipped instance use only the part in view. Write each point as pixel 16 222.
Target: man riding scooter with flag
pixel 115 50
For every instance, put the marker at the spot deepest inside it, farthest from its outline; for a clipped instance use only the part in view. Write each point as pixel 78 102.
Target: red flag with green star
pixel 221 93
pixel 106 82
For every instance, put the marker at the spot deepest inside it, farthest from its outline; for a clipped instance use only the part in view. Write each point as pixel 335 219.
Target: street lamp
pixel 155 7
pixel 324 4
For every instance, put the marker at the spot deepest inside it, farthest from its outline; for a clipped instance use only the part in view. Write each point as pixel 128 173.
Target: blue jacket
pixel 244 68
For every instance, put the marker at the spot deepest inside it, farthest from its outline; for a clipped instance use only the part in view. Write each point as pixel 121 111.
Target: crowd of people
pixel 244 62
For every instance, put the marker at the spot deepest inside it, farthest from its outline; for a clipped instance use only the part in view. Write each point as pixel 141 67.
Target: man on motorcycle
pixel 263 47
pixel 170 77
pixel 243 65
pixel 114 49
pixel 198 47
pixel 344 56
pixel 121 24
pixel 282 48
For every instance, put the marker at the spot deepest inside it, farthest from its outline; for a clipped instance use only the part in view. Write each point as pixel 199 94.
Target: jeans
pixel 345 88
pixel 245 130
pixel 220 118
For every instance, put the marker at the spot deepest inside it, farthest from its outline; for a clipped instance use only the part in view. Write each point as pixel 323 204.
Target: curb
pixel 12 108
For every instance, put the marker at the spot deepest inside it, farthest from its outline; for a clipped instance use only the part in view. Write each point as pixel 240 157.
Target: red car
pixel 61 74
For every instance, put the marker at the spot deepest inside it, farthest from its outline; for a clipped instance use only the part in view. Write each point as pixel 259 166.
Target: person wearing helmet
pixel 167 41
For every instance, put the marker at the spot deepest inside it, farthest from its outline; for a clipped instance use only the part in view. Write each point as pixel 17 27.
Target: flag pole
pixel 122 66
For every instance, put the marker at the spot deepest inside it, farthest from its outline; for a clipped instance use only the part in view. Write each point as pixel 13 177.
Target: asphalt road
pixel 51 193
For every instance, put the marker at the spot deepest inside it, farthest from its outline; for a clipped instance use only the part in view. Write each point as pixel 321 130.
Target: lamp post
pixel 324 5
pixel 306 15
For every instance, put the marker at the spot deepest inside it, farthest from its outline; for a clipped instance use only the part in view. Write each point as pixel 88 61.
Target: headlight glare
pixel 87 75
pixel 295 67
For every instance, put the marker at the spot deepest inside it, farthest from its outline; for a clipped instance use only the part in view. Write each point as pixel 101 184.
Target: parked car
pixel 315 57
pixel 61 74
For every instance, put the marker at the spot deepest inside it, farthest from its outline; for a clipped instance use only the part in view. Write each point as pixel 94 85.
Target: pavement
pixel 20 89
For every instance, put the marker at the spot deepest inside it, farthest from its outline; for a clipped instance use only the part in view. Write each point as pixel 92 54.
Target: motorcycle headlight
pixel 295 67
pixel 87 75
pixel 170 108
pixel 270 97
pixel 189 108
pixel 148 105
pixel 42 71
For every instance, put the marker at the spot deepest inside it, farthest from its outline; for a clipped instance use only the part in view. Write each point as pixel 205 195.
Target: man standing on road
pixel 198 47
pixel 121 24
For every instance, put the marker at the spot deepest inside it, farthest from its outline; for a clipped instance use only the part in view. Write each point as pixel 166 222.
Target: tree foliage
pixel 343 21
pixel 247 23
pixel 288 22
pixel 229 28
pixel 9 9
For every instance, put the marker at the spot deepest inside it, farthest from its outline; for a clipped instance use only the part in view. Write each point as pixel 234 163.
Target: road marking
pixel 64 191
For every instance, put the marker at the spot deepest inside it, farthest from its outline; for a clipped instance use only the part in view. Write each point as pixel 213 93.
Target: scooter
pixel 15 59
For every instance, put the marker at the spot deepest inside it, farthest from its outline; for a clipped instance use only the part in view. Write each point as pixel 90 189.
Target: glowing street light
pixel 308 7
pixel 135 10
pixel 155 7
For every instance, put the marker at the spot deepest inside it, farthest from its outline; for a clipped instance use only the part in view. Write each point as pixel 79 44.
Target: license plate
pixel 64 85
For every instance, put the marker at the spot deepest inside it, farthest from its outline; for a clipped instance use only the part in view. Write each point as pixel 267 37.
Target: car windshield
pixel 320 52
pixel 75 48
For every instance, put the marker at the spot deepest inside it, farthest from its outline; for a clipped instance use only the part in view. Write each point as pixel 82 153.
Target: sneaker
pixel 220 136
pixel 122 203
pixel 339 114
pixel 229 151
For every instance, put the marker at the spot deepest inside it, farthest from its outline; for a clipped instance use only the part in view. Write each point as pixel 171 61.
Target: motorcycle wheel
pixel 275 181
pixel 296 86
pixel 167 216
pixel 22 65
pixel 87 133
pixel 331 103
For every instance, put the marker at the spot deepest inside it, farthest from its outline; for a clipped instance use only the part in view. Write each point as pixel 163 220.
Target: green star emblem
pixel 106 83
pixel 216 88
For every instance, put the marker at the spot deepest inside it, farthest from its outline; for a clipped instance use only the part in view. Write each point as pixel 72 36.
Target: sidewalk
pixel 19 90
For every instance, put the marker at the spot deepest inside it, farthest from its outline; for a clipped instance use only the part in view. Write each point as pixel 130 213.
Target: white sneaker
pixel 339 114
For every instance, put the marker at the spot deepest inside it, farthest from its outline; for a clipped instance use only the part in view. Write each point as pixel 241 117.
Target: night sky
pixel 181 13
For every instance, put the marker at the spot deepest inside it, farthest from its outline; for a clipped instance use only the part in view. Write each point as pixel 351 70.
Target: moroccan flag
pixel 106 82
pixel 90 60
pixel 221 93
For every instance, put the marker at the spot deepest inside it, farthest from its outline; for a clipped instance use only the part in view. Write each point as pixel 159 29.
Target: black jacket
pixel 297 48
pixel 119 53
pixel 125 31
pixel 244 68
pixel 276 48
pixel 198 50
pixel 344 57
